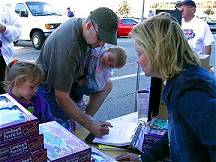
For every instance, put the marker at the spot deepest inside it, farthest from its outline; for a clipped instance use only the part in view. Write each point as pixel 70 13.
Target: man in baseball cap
pixel 197 32
pixel 106 24
pixel 188 8
pixel 63 57
pixel 188 3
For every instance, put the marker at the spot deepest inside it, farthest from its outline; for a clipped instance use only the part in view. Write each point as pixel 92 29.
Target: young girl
pixel 22 79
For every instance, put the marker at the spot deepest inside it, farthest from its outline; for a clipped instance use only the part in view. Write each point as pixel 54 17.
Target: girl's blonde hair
pixel 22 71
pixel 162 39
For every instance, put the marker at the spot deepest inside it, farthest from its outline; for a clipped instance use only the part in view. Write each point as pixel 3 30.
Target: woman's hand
pixel 128 157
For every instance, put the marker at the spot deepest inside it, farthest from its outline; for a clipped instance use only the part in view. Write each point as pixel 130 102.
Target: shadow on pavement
pixel 22 43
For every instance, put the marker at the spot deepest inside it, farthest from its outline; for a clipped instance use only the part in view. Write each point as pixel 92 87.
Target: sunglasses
pixel 98 37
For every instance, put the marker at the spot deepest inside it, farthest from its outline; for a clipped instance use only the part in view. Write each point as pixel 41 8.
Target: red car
pixel 125 25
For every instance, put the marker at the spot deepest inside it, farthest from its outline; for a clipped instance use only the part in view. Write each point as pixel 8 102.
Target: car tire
pixel 38 39
pixel 118 35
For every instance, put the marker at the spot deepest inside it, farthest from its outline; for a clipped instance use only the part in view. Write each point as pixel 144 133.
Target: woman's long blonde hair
pixel 163 40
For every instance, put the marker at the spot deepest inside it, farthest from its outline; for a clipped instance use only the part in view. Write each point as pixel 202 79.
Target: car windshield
pixel 41 9
pixel 129 21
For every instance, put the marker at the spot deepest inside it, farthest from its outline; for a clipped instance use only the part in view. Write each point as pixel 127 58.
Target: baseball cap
pixel 107 23
pixel 188 3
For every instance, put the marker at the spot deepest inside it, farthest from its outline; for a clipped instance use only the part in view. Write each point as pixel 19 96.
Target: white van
pixel 38 18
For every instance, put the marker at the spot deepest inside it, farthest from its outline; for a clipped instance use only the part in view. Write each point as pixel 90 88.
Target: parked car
pixel 212 25
pixel 125 25
pixel 38 19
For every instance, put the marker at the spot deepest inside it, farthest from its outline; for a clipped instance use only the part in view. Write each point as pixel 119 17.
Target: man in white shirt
pixel 10 30
pixel 196 30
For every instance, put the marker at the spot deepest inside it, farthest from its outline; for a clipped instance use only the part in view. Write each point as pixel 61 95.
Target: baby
pixel 98 70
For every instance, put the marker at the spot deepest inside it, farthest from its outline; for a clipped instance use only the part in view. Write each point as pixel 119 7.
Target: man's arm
pixel 11 28
pixel 96 99
pixel 208 50
pixel 2 28
pixel 208 39
pixel 70 108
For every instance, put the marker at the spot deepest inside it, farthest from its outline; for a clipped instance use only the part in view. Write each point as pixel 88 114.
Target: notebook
pixel 127 130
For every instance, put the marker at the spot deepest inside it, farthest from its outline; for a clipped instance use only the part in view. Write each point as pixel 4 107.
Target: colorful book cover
pixel 37 156
pixel 62 145
pixel 159 124
pixel 98 156
pixel 158 128
pixel 22 147
pixel 15 121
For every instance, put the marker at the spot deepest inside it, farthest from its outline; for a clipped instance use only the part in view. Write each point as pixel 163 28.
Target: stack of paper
pixel 126 131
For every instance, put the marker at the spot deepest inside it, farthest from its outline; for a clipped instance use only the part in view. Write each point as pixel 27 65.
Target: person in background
pixel 62 58
pixel 178 5
pixel 189 93
pixel 196 31
pixel 150 14
pixel 10 31
pixel 98 69
pixel 70 13
pixel 22 79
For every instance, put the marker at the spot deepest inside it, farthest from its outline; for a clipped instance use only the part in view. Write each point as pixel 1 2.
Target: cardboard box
pixel 62 145
pixel 158 129
pixel 37 156
pixel 22 147
pixel 15 121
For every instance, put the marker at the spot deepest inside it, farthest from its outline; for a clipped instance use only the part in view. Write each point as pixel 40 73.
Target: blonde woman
pixel 189 93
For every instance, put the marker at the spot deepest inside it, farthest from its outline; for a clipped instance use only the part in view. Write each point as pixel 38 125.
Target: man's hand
pixel 205 62
pixel 2 28
pixel 208 50
pixel 128 157
pixel 100 129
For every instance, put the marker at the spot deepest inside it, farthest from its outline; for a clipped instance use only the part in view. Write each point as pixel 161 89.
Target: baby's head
pixel 23 76
pixel 114 57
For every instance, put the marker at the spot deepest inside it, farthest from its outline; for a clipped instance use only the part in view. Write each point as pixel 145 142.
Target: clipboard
pixel 125 133
pixel 138 139
pixel 141 135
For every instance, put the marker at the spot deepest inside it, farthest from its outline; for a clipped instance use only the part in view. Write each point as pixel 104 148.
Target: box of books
pixel 15 121
pixel 98 156
pixel 62 145
pixel 22 147
pixel 37 156
pixel 158 128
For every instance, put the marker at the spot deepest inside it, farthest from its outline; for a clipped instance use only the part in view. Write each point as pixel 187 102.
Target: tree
pixel 209 11
pixel 124 9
